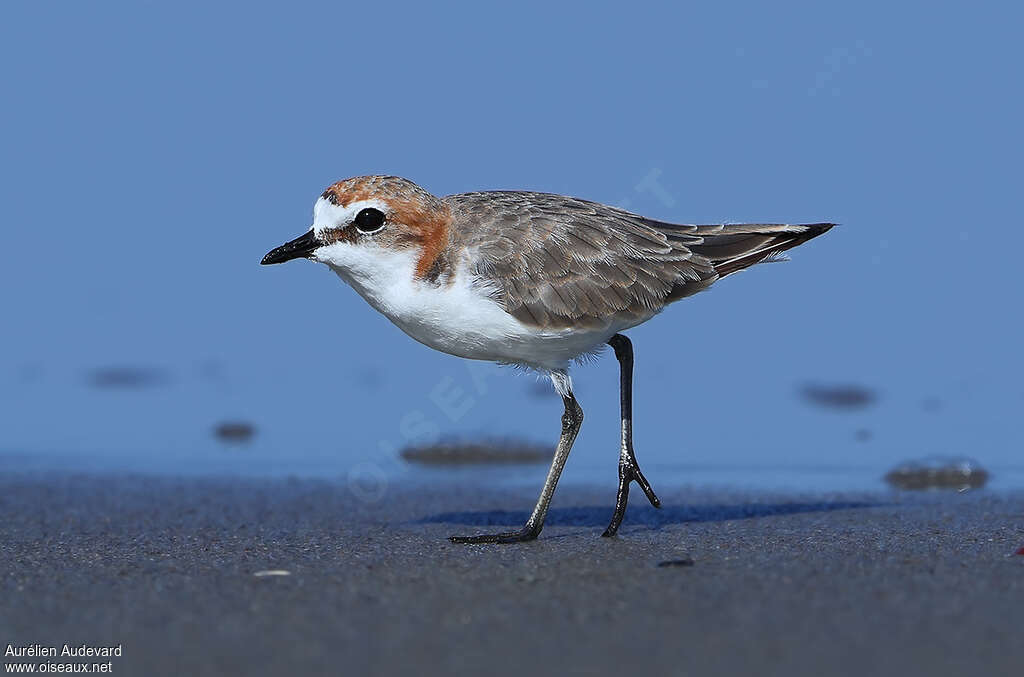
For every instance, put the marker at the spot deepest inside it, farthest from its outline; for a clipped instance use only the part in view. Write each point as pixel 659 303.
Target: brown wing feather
pixel 560 262
pixel 735 246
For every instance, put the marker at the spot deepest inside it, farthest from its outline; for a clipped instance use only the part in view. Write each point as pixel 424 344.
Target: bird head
pixel 370 216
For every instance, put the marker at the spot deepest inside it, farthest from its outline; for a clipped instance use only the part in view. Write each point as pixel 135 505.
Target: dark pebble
pixel 234 431
pixel 675 563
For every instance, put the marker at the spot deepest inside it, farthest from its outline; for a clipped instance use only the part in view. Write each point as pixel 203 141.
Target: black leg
pixel 629 470
pixel 572 419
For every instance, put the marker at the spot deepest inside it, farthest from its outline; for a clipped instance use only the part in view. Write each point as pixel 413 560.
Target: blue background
pixel 152 153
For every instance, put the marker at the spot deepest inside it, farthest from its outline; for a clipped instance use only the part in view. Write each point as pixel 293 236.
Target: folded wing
pixel 556 262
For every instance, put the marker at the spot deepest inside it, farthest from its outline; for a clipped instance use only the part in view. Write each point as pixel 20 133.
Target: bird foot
pixel 629 471
pixel 527 533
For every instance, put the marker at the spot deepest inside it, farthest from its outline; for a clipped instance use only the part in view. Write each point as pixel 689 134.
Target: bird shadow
pixel 598 516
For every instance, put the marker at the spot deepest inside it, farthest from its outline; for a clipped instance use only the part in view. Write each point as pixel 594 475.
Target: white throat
pixel 384 277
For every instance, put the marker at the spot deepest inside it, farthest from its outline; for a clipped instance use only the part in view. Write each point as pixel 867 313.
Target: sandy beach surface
pixel 718 582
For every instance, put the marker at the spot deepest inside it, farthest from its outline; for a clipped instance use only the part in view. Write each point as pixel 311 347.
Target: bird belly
pixel 466 322
pixel 495 339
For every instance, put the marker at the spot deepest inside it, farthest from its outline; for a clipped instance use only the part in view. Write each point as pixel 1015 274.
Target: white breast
pixel 458 318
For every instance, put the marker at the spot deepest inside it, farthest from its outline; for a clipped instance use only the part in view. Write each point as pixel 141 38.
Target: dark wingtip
pixel 813 230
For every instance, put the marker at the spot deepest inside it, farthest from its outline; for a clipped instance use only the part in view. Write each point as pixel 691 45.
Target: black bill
pixel 299 248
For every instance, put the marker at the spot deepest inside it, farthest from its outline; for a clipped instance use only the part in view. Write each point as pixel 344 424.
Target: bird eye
pixel 369 220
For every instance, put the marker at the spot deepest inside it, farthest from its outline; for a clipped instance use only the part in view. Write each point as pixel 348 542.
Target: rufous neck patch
pixel 433 230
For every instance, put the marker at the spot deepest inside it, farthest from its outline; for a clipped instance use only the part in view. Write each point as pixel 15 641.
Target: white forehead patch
pixel 327 215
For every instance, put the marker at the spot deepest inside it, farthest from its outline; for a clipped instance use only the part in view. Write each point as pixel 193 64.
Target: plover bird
pixel 530 279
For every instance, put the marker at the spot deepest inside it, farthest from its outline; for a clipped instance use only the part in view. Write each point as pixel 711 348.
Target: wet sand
pixel 880 583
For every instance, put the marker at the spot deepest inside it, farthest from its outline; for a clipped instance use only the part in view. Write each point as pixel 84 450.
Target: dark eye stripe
pixel 369 220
